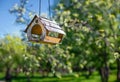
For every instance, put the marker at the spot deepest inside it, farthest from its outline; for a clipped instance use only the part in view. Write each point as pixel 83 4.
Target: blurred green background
pixel 90 51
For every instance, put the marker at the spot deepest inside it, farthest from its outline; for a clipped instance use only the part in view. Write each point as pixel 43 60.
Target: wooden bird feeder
pixel 41 30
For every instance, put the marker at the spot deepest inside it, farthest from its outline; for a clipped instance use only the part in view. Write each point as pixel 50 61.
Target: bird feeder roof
pixel 48 24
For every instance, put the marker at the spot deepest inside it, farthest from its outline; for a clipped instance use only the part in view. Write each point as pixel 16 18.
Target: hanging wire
pixel 39 7
pixel 49 9
pixel 48 6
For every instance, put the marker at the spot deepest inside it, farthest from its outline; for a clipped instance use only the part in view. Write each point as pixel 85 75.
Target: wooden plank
pixel 52 39
pixel 60 36
pixel 48 40
pixel 43 42
pixel 31 22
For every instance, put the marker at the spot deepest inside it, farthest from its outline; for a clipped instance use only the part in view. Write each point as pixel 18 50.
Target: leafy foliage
pixel 92 39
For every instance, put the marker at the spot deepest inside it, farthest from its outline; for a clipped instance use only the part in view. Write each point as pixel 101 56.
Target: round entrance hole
pixel 36 29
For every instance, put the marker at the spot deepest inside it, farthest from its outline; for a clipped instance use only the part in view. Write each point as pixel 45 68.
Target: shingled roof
pixel 48 24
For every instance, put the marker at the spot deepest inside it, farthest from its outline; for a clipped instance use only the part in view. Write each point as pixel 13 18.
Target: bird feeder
pixel 41 29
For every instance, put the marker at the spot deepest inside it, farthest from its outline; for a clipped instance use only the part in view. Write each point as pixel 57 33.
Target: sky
pixel 7 20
